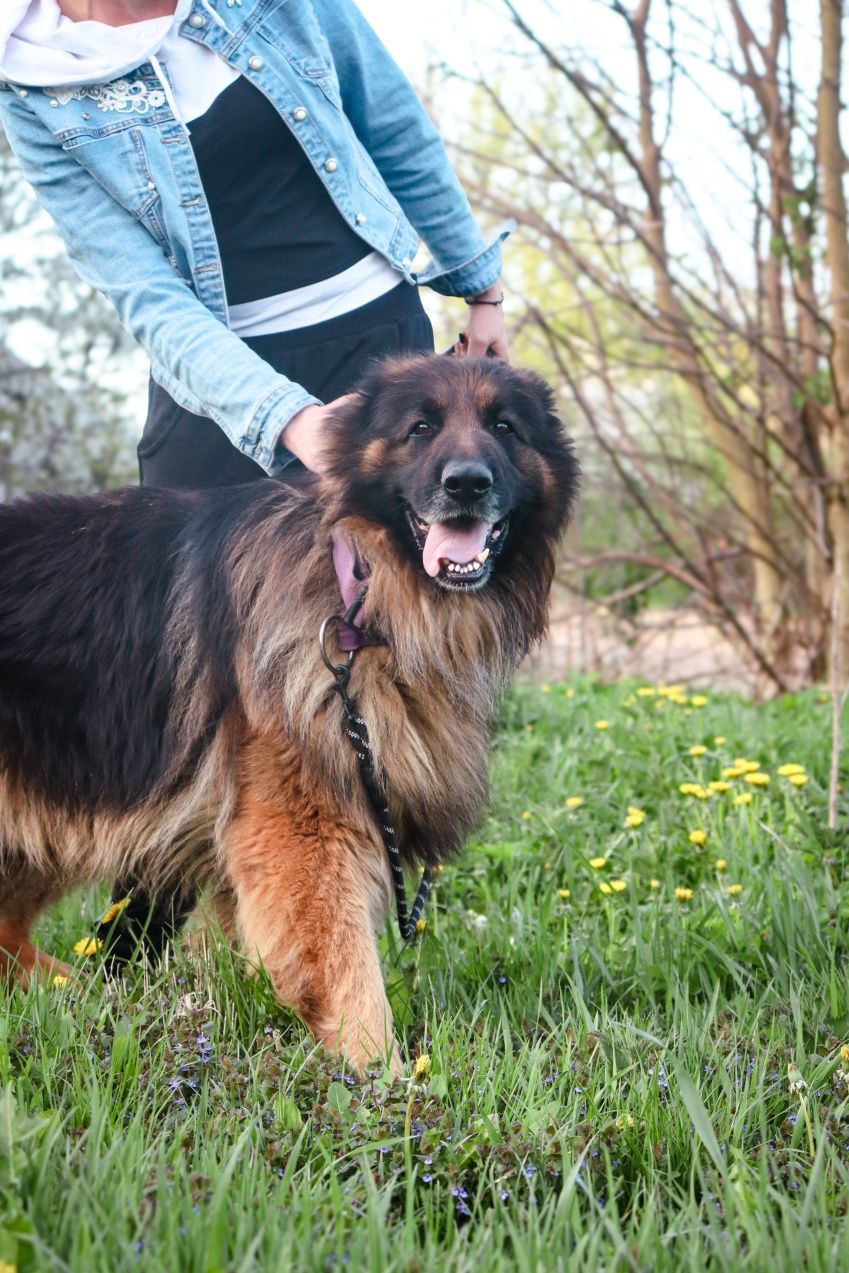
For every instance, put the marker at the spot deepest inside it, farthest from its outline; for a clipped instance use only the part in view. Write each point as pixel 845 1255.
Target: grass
pixel 608 1083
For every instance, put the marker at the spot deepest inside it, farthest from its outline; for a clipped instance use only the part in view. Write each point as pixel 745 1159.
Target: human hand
pixel 485 330
pixel 304 434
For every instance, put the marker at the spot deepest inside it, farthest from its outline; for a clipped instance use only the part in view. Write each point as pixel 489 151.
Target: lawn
pixel 627 1007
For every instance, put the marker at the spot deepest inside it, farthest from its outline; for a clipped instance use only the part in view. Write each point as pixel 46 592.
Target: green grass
pixel 609 1072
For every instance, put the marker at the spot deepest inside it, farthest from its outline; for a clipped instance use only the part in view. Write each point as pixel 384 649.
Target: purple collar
pixel 353 577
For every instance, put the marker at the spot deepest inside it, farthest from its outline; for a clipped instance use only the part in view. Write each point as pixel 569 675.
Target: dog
pixel 164 708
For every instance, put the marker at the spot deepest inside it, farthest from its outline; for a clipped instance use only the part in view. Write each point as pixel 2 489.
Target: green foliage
pixel 608 1084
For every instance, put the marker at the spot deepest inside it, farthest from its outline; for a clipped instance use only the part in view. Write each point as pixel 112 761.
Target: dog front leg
pixel 308 901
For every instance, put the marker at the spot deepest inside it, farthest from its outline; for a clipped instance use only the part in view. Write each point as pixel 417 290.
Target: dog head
pixel 462 460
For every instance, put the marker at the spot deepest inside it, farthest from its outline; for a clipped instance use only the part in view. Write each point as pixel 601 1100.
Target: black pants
pixel 183 450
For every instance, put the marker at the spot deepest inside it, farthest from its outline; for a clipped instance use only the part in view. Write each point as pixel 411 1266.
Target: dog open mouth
pixel 457 553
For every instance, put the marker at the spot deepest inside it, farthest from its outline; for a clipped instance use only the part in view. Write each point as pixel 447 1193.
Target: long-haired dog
pixel 164 710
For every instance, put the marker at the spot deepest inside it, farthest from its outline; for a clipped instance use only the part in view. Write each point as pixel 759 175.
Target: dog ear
pixel 543 397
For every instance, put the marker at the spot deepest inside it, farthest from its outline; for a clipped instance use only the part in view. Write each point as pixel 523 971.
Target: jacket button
pixel 299 113
pixel 330 165
pixel 255 63
pixel 360 218
pixel 53 102
pixel 24 93
pixel 196 20
pixel 86 115
pixel 151 185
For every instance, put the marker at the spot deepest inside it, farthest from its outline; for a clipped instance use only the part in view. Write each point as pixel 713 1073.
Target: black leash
pixel 357 733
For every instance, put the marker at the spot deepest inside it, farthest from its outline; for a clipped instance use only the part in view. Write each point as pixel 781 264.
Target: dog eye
pixel 420 429
pixel 501 427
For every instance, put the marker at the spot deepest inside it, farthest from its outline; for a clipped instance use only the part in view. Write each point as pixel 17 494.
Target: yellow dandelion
pixel 58 981
pixel 798 780
pixel 660 702
pixel 787 771
pixel 719 787
pixel 605 887
pixel 698 700
pixel 6 1267
pixel 569 692
pixel 546 689
pixel 694 789
pixel 526 815
pixel 757 779
pixel 683 894
pixel 680 700
pixel 745 797
pixel 719 740
pixel 646 691
pixel 697 836
pixel 844 1052
pixel 698 750
pixel 88 946
pixel 421 1069
pixel 750 766
pixel 633 822
pixel 421 925
pixel 597 863
pixel 720 864
pixel 733 771
pixel 563 893
pixel 734 890
pixel 115 910
pixel 634 812
pixel 654 883
pixel 619 886
pixel 602 724
pixel 574 802
pixel 627 1120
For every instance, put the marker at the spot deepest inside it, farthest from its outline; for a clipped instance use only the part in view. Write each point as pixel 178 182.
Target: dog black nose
pixel 466 480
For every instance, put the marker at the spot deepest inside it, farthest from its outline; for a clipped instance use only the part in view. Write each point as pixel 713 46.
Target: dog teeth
pixel 483 556
pixel 454 568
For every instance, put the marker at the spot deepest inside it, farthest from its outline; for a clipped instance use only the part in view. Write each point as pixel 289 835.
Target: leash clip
pixel 338 670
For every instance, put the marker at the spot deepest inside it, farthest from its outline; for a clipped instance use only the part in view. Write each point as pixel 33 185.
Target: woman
pixel 246 181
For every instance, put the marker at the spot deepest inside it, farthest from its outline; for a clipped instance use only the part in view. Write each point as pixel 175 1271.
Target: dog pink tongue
pixel 445 542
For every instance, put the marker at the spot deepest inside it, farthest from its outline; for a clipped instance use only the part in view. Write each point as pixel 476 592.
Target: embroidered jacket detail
pixel 121 95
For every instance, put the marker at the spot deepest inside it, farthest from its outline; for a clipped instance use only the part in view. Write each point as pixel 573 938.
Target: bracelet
pixel 470 300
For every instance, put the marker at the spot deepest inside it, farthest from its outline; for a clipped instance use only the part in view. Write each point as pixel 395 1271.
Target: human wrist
pixel 492 295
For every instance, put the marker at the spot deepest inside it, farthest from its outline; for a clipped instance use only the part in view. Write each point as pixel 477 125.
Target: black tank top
pixel 276 225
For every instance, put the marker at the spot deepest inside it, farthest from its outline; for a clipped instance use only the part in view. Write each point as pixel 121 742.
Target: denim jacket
pixel 114 167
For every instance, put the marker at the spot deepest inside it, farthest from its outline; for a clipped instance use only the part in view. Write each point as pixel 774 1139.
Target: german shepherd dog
pixel 165 712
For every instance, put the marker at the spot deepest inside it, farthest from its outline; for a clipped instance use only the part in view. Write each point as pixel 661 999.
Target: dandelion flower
pixel 679 700
pixel 698 750
pixel 88 946
pixel 574 802
pixel 605 887
pixel 683 894
pixel 733 771
pixel 698 836
pixel 719 740
pixel 563 893
pixel 569 692
pixel 654 883
pixel 750 766
pixel 602 724
pixel 526 815
pixel 798 780
pixel 745 797
pixel 636 817
pixel 787 771
pixel 115 910
pixel 546 689
pixel 58 981
pixel 646 691
pixel 421 925
pixel 720 864
pixel 844 1052
pixel 698 700
pixel 734 890
pixel 619 886
pixel 694 789
pixel 627 1120
pixel 757 779
pixel 719 787
pixel 597 863
pixel 421 1069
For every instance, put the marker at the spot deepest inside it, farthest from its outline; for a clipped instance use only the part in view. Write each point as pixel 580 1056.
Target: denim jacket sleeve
pixel 398 134
pixel 210 370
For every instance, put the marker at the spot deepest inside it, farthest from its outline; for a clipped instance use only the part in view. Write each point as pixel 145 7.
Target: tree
pixel 739 332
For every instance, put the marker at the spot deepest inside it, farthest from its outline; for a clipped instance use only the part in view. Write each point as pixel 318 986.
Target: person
pixel 247 182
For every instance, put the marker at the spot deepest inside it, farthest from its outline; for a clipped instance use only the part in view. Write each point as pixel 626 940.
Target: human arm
pixel 210 370
pixel 395 129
